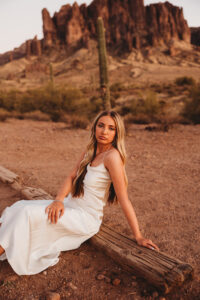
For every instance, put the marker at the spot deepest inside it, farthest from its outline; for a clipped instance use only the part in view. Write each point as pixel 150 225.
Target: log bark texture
pixel 161 270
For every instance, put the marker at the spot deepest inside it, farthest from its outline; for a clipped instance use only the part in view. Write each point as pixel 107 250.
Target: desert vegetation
pixel 175 102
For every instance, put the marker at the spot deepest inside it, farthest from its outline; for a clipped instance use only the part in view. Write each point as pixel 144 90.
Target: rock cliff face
pixel 195 36
pixel 129 24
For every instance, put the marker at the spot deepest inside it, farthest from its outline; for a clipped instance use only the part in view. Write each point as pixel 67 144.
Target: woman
pixel 33 232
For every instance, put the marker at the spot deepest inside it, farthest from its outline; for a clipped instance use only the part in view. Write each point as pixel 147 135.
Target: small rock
pixel 44 273
pixel 155 294
pixel 116 281
pixel 52 296
pixel 100 277
pixel 72 286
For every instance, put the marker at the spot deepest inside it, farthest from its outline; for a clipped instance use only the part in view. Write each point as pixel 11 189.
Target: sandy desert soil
pixel 164 186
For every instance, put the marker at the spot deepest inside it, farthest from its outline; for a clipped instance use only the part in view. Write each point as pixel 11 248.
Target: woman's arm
pixel 56 209
pixel 115 167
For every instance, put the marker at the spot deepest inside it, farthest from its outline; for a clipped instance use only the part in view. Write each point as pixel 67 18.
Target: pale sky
pixel 21 20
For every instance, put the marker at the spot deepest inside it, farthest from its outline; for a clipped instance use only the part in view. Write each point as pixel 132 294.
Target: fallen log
pixel 13 180
pixel 158 268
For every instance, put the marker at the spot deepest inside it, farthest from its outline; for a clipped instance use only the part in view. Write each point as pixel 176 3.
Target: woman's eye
pixel 100 125
pixel 112 128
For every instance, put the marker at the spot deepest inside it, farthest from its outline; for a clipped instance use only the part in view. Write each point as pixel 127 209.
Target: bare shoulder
pixel 112 158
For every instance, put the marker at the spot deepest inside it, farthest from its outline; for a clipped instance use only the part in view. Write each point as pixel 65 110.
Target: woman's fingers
pixel 155 247
pixel 61 212
pixel 56 215
pixel 148 244
pixel 54 211
pixel 152 246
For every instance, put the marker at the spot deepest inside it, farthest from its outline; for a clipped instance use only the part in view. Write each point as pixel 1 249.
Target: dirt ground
pixel 163 169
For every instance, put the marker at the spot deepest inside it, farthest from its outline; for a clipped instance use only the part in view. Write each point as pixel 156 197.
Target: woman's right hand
pixel 147 243
pixel 55 210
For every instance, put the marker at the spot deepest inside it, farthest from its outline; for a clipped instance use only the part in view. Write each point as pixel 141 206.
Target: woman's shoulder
pixel 112 157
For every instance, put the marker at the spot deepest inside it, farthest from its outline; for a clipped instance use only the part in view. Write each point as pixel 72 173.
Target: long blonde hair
pixel 118 143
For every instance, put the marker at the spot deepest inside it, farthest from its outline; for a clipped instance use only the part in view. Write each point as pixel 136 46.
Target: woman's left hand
pixel 55 210
pixel 147 243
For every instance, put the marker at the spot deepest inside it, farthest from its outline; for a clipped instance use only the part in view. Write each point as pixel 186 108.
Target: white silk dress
pixel 32 244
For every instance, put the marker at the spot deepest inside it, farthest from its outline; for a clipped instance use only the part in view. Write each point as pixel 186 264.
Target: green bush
pixel 191 109
pixel 185 80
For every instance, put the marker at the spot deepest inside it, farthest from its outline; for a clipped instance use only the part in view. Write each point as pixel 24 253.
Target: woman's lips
pixel 102 138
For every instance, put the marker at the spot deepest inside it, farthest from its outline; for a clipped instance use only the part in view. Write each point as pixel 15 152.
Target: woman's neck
pixel 103 148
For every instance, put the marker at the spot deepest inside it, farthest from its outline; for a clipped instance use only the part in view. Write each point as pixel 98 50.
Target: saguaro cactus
pixel 51 76
pixel 103 69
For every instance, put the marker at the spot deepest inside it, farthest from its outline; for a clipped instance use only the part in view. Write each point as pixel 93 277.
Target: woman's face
pixel 105 130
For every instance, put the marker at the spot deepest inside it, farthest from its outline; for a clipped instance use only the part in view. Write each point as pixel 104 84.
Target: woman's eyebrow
pixel 110 125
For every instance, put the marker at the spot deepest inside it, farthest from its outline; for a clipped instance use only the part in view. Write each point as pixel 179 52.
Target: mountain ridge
pixel 129 25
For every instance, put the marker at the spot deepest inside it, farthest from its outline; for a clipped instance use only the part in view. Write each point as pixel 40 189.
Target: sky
pixel 21 20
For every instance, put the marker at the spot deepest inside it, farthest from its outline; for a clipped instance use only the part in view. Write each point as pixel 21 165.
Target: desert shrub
pixel 125 109
pixel 47 99
pixel 115 95
pixel 50 100
pixel 150 105
pixel 96 105
pixel 79 122
pixel 3 115
pixel 36 115
pixel 25 102
pixel 144 110
pixel 185 80
pixel 117 87
pixel 8 99
pixel 191 109
pixel 140 118
pixel 71 99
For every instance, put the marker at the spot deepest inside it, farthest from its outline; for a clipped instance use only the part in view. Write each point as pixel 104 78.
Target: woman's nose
pixel 105 130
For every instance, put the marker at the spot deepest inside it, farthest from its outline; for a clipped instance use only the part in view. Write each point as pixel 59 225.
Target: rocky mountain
pixel 129 25
pixel 195 36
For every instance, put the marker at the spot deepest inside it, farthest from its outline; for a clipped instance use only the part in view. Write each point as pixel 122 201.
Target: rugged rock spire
pixel 129 24
pixel 49 29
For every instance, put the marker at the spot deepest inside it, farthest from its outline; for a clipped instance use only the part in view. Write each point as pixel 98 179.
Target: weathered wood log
pixel 33 194
pixel 8 177
pixel 161 270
